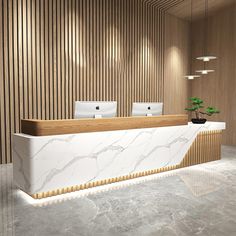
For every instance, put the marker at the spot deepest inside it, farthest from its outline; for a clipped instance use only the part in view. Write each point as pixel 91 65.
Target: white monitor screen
pixel 94 109
pixel 147 109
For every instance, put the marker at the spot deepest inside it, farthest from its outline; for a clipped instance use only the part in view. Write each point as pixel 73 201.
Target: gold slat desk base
pixel 205 148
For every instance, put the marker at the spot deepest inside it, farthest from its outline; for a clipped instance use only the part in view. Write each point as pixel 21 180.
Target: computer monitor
pixel 147 109
pixel 95 109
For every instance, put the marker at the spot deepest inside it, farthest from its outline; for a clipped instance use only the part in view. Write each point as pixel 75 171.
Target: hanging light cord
pixel 191 37
pixel 206 30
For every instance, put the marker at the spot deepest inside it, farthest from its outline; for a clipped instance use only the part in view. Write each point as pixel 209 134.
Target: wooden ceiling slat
pixel 163 4
pixel 181 8
pixel 169 5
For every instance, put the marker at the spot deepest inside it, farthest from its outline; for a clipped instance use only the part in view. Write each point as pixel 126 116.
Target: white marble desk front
pixel 48 163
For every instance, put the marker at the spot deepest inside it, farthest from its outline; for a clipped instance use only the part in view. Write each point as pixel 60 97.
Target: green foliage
pixel 196 101
pixel 196 105
pixel 211 110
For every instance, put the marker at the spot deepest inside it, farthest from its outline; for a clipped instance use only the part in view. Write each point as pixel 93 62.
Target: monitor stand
pixel 97 116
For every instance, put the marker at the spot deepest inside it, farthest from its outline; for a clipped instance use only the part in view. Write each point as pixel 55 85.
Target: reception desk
pixel 60 156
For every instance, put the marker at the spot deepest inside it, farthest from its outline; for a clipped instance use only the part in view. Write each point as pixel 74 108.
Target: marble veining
pixel 46 163
pixel 197 201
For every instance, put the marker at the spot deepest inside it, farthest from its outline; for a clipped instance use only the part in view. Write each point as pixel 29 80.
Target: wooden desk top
pixel 72 126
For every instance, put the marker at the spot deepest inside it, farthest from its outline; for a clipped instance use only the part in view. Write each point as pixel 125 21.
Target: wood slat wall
pixel 176 87
pixel 58 51
pixel 218 88
pixel 182 9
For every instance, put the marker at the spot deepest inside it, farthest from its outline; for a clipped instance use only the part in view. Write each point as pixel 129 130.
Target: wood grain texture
pixel 205 148
pixel 182 8
pixel 163 4
pixel 55 127
pixel 219 88
pixel 57 51
pixel 176 87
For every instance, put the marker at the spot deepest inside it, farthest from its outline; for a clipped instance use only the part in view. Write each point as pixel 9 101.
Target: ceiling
pixel 181 8
pixel 163 4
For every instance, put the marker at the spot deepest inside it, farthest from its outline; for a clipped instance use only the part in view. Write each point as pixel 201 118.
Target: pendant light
pixel 191 76
pixel 204 72
pixel 205 58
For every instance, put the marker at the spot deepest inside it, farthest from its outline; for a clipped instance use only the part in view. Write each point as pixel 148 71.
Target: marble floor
pixel 198 200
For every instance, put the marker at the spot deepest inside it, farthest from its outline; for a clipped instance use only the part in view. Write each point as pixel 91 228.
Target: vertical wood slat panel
pixel 50 58
pixel 2 133
pixel 34 57
pixel 24 57
pixel 58 79
pixel 29 57
pixel 42 58
pixel 62 70
pixel 55 52
pixel 6 79
pixel 46 58
pixel 37 93
pixel 8 51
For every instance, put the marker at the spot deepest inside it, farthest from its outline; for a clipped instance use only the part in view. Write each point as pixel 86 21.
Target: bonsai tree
pixel 197 107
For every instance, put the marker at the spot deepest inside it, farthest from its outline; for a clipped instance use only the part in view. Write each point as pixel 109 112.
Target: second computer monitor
pixel 95 109
pixel 147 108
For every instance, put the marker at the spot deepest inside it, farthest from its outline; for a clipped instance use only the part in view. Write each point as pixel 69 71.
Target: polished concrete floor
pixel 198 200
